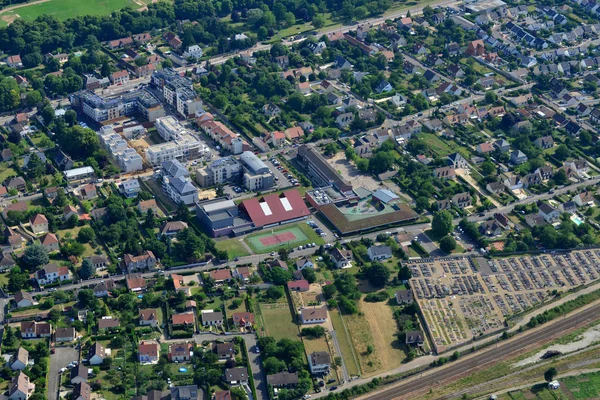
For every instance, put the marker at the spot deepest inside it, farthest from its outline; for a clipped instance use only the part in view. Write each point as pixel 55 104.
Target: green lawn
pixel 6 171
pixel 278 321
pixel 442 148
pixel 234 248
pixel 583 386
pixel 344 342
pixel 304 234
pixel 63 9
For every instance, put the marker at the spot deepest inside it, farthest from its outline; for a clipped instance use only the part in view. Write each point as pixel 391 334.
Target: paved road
pixel 60 359
pixel 440 377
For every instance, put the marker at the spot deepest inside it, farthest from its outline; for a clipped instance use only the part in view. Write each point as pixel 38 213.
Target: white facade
pixel 181 144
pixel 194 51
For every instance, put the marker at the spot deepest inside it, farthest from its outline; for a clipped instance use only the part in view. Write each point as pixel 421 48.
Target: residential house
pixel 96 354
pixel 545 142
pixel 276 138
pixel 212 318
pixel 64 334
pixel 108 323
pixel 319 362
pixel 148 317
pixel 517 157
pixel 384 87
pixel 19 360
pixel 119 77
pixel 513 183
pixel 344 120
pixel 103 288
pixel 221 275
pixel 304 262
pixel 78 374
pixel 301 285
pixel 243 319
pixel 172 228
pixel 457 161
pixel 484 148
pixel 502 146
pixel 569 207
pixel 145 261
pixel 584 199
pixel 490 228
pixel 283 379
pixel 225 351
pixel 135 283
pixel 462 200
pixel 13 239
pixel 186 319
pixel 23 299
pixel 271 110
pixel 145 205
pixel 69 211
pixel 14 61
pixel 548 212
pixel 236 376
pixel 148 352
pixel 546 172
pixel 242 273
pixel 180 352
pixel 39 223
pixel 476 48
pixel 444 173
pixel 404 296
pixel 342 258
pixel 20 388
pixel 313 315
pixel 414 338
pixel 378 253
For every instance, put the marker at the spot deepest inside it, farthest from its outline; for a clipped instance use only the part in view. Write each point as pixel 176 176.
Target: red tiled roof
pixel 183 319
pixel 299 285
pixel 149 349
pixel 274 208
pixel 220 274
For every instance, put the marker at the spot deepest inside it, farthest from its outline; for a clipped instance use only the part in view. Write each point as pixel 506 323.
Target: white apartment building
pixel 130 161
pixel 181 144
pixel 194 51
pixel 218 172
pixel 127 158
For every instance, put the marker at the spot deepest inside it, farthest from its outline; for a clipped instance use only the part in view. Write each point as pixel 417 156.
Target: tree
pixel 284 254
pixel 550 374
pixel 35 255
pixel 87 298
pixel 86 235
pixel 150 220
pixel 441 225
pixel 33 98
pixel 447 244
pixel 47 114
pixel 491 97
pixel 310 275
pixel 274 292
pixel 318 21
pixel 87 269
pixel 562 152
pixel 378 274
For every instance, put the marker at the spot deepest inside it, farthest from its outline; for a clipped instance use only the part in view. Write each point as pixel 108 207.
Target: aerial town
pixel 223 200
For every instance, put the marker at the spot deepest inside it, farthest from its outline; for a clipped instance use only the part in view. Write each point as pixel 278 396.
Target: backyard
pixel 344 342
pixel 278 321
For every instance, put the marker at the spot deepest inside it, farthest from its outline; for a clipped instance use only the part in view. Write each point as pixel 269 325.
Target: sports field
pixel 288 236
pixel 63 9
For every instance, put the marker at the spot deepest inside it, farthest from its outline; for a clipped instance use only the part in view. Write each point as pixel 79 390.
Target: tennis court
pixel 273 240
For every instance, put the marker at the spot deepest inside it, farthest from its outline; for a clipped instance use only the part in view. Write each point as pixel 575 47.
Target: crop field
pixel 64 9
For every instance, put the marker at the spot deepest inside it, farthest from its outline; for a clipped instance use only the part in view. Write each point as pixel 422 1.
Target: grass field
pixel 278 321
pixel 303 233
pixel 63 9
pixel 441 148
pixel 583 386
pixel 6 171
pixel 345 343
pixel 234 248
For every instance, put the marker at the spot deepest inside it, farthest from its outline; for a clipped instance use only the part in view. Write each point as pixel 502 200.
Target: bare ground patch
pixel 380 319
pixel 349 172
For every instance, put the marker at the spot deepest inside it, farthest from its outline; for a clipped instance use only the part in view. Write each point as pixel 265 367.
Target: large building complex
pixel 178 92
pixel 222 216
pixel 319 170
pixel 177 183
pixel 101 109
pixel 181 144
pixel 223 170
pixel 127 158
pixel 230 141
pixel 257 176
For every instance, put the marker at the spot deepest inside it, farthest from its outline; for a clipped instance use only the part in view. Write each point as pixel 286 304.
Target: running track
pixel 458 369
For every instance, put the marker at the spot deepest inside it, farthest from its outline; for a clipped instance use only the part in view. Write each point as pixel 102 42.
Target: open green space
pixel 278 321
pixel 63 9
pixel 303 234
pixel 233 247
pixel 344 342
pixel 583 386
pixel 6 171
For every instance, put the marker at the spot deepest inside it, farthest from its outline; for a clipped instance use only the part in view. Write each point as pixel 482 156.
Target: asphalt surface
pixel 462 367
pixel 60 359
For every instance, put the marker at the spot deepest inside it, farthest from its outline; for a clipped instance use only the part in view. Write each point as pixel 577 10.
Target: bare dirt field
pixel 384 330
pixel 351 174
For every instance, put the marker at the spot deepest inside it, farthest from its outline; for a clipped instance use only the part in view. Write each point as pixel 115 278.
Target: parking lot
pixel 463 297
pixel 60 359
pixel 283 177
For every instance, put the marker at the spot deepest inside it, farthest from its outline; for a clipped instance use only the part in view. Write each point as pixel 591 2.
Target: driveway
pixel 60 359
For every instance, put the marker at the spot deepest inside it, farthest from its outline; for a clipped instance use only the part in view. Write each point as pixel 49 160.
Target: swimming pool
pixel 183 370
pixel 578 221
